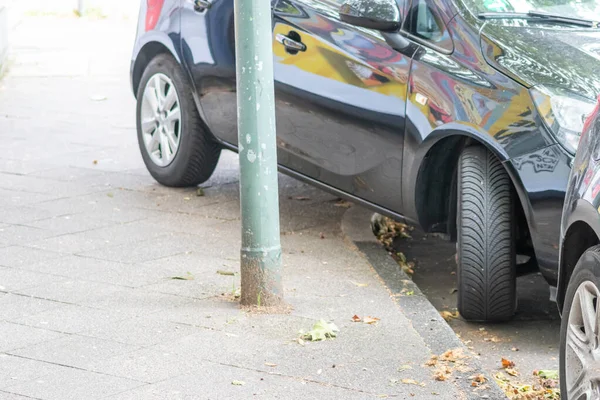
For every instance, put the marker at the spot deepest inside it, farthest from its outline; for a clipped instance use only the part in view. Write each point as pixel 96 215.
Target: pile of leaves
pixel 386 230
pixel 546 386
pixel 452 360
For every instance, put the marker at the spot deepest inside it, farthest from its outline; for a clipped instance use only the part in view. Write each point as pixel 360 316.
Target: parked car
pixel 459 116
pixel 579 271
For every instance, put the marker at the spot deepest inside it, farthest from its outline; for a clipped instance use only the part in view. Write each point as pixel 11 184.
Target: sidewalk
pixel 89 246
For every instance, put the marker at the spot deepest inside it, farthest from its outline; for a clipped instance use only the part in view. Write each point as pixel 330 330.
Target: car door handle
pixel 202 5
pixel 289 43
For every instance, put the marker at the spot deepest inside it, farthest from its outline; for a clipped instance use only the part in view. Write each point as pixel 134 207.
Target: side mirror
pixel 383 15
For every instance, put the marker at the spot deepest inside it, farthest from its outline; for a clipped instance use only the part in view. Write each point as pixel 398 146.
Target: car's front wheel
pixel 175 146
pixel 580 331
pixel 485 232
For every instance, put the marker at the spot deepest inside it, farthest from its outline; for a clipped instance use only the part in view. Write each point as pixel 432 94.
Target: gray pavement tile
pixel 24 214
pixel 71 174
pixel 142 331
pixel 18 336
pixel 146 250
pixel 214 381
pixel 103 271
pixel 67 244
pixel 74 351
pixel 28 183
pixel 12 396
pixel 13 198
pixel 14 307
pixel 14 279
pixel 18 256
pixel 15 370
pixel 74 291
pixel 67 224
pixel 145 365
pixel 134 302
pixel 19 166
pixel 20 234
pixel 212 314
pixel 71 319
pixel 73 384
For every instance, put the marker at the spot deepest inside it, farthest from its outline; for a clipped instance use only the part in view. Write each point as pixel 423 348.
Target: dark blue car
pixel 579 282
pixel 460 116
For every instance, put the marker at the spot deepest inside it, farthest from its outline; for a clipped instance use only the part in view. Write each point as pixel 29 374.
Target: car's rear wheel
pixel 175 146
pixel 580 331
pixel 485 238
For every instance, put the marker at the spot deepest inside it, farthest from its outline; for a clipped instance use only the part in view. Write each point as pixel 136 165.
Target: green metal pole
pixel 261 248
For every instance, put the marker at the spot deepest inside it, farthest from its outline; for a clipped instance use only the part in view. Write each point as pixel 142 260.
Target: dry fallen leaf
pixel 227 273
pixel 432 361
pixel 404 367
pixel 371 320
pixel 408 381
pixel 447 315
pixel 360 284
pixel 356 318
pixel 442 374
pixel 270 364
pixel 512 372
pixel 95 162
pixel 507 363
pixel 478 380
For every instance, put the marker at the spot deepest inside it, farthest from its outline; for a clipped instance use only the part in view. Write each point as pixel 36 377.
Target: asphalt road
pixel 530 340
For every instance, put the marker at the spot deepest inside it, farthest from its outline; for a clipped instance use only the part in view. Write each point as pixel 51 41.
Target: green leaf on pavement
pixel 238 383
pixel 200 192
pixel 227 273
pixel 188 277
pixel 321 330
pixel 548 374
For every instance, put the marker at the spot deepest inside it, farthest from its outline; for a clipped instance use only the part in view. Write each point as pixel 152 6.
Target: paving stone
pixel 15 370
pixel 20 234
pixel 19 256
pixel 71 319
pixel 73 384
pixel 75 351
pixel 14 279
pixel 152 249
pixel 18 336
pixel 142 331
pixel 255 384
pixel 146 365
pixel 67 224
pixel 73 291
pixel 14 307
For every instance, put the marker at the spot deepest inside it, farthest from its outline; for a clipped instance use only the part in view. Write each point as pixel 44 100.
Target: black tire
pixel 587 269
pixel 198 153
pixel 485 238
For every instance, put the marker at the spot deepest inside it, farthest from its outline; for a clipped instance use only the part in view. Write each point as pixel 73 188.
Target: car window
pixel 330 8
pixel 427 24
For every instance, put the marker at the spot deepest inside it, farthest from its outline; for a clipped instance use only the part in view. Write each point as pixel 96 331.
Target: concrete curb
pixel 426 320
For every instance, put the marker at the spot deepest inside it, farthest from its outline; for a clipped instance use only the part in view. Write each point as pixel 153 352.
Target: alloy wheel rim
pixel 582 353
pixel 161 120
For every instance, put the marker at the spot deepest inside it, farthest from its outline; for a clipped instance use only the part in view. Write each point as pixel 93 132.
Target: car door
pixel 341 99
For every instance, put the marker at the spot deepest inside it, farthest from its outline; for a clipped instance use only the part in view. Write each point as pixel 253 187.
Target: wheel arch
pixel 581 232
pixel 156 43
pixel 435 166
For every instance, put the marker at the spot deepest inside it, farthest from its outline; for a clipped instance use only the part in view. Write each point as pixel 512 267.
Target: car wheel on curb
pixel 175 146
pixel 485 238
pixel 579 331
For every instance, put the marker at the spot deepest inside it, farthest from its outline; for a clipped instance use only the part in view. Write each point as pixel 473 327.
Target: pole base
pixel 261 278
